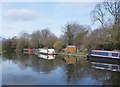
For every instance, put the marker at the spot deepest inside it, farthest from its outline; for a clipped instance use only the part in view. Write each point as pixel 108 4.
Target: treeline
pixel 105 37
pixel 38 39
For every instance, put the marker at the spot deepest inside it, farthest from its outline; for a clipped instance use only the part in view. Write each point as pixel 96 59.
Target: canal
pixel 26 69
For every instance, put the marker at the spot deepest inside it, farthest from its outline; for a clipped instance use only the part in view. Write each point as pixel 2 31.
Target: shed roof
pixel 71 46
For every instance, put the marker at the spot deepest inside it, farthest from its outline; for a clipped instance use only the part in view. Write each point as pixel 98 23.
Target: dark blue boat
pixel 104 54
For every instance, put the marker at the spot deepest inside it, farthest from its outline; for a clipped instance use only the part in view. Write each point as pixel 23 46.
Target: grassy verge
pixel 1 52
pixel 1 48
pixel 79 54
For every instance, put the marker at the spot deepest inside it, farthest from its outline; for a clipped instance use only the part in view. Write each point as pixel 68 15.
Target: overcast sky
pixel 30 16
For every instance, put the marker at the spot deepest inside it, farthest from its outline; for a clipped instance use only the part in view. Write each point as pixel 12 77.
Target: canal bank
pixel 79 55
pixel 1 52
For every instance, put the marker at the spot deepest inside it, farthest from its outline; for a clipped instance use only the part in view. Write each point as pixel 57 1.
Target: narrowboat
pixel 51 52
pixel 28 50
pixel 46 51
pixel 103 54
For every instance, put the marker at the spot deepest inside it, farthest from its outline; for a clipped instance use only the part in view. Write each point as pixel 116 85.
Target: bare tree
pixel 113 8
pixel 119 18
pixel 100 11
pixel 98 14
pixel 22 41
pixel 48 38
pixel 35 39
pixel 45 35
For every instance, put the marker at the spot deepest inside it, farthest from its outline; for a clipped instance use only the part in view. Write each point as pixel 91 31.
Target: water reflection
pixel 106 66
pixel 67 70
pixel 70 59
pixel 37 64
pixel 104 71
pixel 49 57
pixel 0 72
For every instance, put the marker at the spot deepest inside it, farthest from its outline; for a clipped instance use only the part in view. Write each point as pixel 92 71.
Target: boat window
pixel 102 53
pixel 115 54
pixel 114 67
pixel 102 65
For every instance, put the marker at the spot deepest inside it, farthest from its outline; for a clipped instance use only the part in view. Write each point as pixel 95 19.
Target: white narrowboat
pixel 46 51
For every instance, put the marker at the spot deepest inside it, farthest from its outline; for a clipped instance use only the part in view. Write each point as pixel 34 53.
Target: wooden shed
pixel 71 48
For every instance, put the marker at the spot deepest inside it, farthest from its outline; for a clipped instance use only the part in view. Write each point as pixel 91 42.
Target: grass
pixel 1 52
pixel 80 54
pixel 77 55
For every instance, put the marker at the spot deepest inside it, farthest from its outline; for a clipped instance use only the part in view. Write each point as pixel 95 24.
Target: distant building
pixel 71 48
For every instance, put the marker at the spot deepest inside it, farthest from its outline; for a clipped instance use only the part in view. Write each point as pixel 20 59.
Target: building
pixel 71 48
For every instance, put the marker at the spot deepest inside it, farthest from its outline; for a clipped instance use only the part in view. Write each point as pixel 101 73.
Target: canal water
pixel 26 69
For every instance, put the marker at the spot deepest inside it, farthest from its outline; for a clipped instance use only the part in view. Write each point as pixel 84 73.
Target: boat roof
pixel 106 51
pixel 51 49
pixel 71 46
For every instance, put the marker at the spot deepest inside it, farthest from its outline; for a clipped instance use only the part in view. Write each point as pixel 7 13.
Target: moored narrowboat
pixel 46 51
pixel 103 54
pixel 28 50
pixel 51 52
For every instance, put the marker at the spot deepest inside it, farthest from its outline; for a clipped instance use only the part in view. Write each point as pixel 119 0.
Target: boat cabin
pixel 104 54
